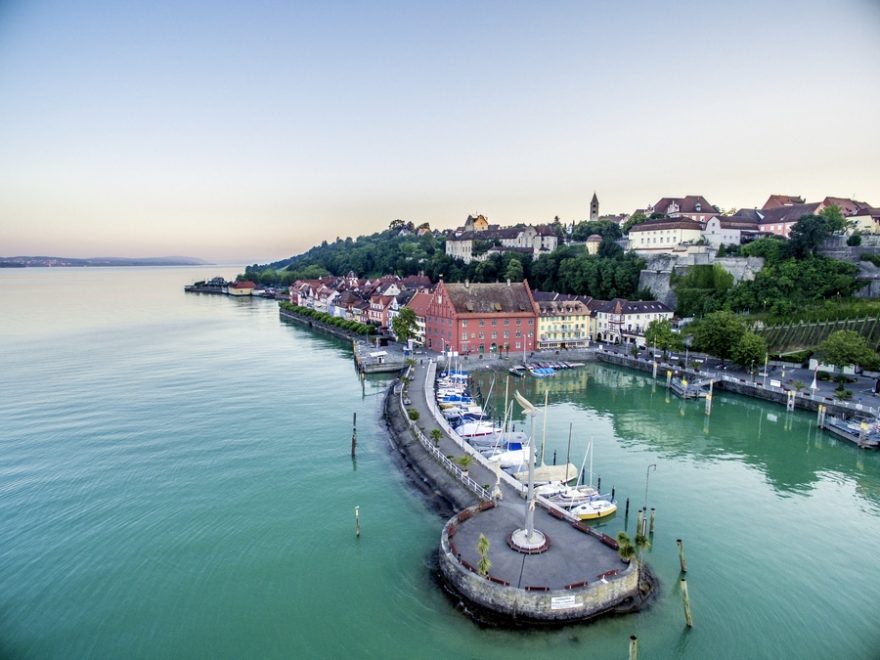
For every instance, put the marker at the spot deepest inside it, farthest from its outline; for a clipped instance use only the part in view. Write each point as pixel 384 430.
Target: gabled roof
pixel 243 284
pixel 783 214
pixel 417 282
pixel 419 303
pixel 753 215
pixel 562 307
pixel 686 204
pixel 847 206
pixel 623 306
pixel 513 298
pixel 776 201
pixel 545 296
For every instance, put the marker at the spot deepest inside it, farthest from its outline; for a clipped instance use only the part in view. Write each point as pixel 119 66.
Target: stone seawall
pixel 318 325
pixel 618 592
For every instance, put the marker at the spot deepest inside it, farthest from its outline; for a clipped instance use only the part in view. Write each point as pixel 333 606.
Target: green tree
pixel 483 549
pixel 846 347
pixel 751 349
pixel 625 547
pixel 403 325
pixel 636 218
pixel 718 333
pixel 659 333
pixel 514 271
pixel 834 219
pixel 605 229
pixel 808 233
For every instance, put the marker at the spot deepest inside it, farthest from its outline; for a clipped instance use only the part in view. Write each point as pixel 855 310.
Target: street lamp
pixel 652 466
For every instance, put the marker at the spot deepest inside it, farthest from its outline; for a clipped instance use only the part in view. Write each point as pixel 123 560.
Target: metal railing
pixel 435 452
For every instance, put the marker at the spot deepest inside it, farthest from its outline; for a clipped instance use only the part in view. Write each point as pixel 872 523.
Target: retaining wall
pixel 556 606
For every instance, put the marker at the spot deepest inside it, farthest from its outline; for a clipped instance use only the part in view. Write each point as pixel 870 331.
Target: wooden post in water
pixel 789 403
pixel 668 378
pixel 687 603
pixel 357 521
pixel 354 433
pixel 682 561
pixel 626 514
pixel 554 457
pixel 633 647
pixel 653 516
pixel 599 485
pixel 638 522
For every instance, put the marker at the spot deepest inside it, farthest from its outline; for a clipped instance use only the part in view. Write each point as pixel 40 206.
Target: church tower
pixel 594 208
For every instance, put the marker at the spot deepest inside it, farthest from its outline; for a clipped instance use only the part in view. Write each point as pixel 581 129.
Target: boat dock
pixel 685 389
pixel 371 359
pixel 861 433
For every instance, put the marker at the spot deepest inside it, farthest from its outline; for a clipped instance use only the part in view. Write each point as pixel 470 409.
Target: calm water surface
pixel 175 481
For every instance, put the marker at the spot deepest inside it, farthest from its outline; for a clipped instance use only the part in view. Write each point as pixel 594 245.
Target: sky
pixel 244 132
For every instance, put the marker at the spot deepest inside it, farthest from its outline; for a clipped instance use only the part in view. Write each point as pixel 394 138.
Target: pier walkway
pixel 576 554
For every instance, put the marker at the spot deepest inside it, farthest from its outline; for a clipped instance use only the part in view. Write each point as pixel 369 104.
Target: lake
pixel 176 481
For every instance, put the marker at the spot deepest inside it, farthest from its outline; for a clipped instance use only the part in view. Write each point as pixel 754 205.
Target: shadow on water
pixel 787 448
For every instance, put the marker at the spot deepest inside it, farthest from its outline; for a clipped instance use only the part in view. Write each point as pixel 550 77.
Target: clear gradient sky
pixel 250 131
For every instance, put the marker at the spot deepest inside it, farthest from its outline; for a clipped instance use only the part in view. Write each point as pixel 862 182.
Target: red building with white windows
pixel 481 318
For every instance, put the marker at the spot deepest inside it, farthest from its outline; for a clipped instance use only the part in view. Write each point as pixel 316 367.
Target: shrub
pixel 413 414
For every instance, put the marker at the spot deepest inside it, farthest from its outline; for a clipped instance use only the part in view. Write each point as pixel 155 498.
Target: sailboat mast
pixel 506 397
pixel 591 464
pixel 544 438
pixel 568 454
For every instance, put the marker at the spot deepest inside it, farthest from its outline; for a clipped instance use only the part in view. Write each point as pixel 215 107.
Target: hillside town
pixel 511 316
pixel 672 225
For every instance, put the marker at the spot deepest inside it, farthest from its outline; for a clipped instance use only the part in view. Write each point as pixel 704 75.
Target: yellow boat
pixel 594 509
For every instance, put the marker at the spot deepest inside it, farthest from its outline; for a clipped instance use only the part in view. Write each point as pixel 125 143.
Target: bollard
pixel 681 558
pixel 687 603
pixel 653 516
pixel 354 433
pixel 633 647
pixel 357 521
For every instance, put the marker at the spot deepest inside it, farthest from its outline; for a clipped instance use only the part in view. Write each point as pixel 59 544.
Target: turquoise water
pixel 176 482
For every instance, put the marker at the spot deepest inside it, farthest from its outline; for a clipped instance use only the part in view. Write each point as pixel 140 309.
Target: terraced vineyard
pixel 800 336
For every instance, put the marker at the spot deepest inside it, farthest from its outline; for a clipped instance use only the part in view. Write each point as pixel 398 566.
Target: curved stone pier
pixel 570 581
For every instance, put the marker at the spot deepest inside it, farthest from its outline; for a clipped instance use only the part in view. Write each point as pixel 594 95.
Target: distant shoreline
pixel 105 262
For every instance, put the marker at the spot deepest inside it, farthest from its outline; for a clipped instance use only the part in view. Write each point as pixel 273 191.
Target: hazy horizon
pixel 172 128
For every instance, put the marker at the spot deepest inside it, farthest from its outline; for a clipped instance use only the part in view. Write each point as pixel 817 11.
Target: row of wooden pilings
pixel 685 598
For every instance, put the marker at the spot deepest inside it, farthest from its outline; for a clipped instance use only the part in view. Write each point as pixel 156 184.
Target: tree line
pixel 569 269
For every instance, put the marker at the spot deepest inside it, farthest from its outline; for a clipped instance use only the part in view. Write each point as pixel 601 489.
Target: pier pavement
pixel 573 556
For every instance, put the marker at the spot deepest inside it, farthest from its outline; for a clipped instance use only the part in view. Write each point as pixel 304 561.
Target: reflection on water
pixel 786 447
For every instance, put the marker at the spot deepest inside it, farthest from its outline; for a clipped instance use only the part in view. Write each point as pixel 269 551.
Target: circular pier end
pixel 522 542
